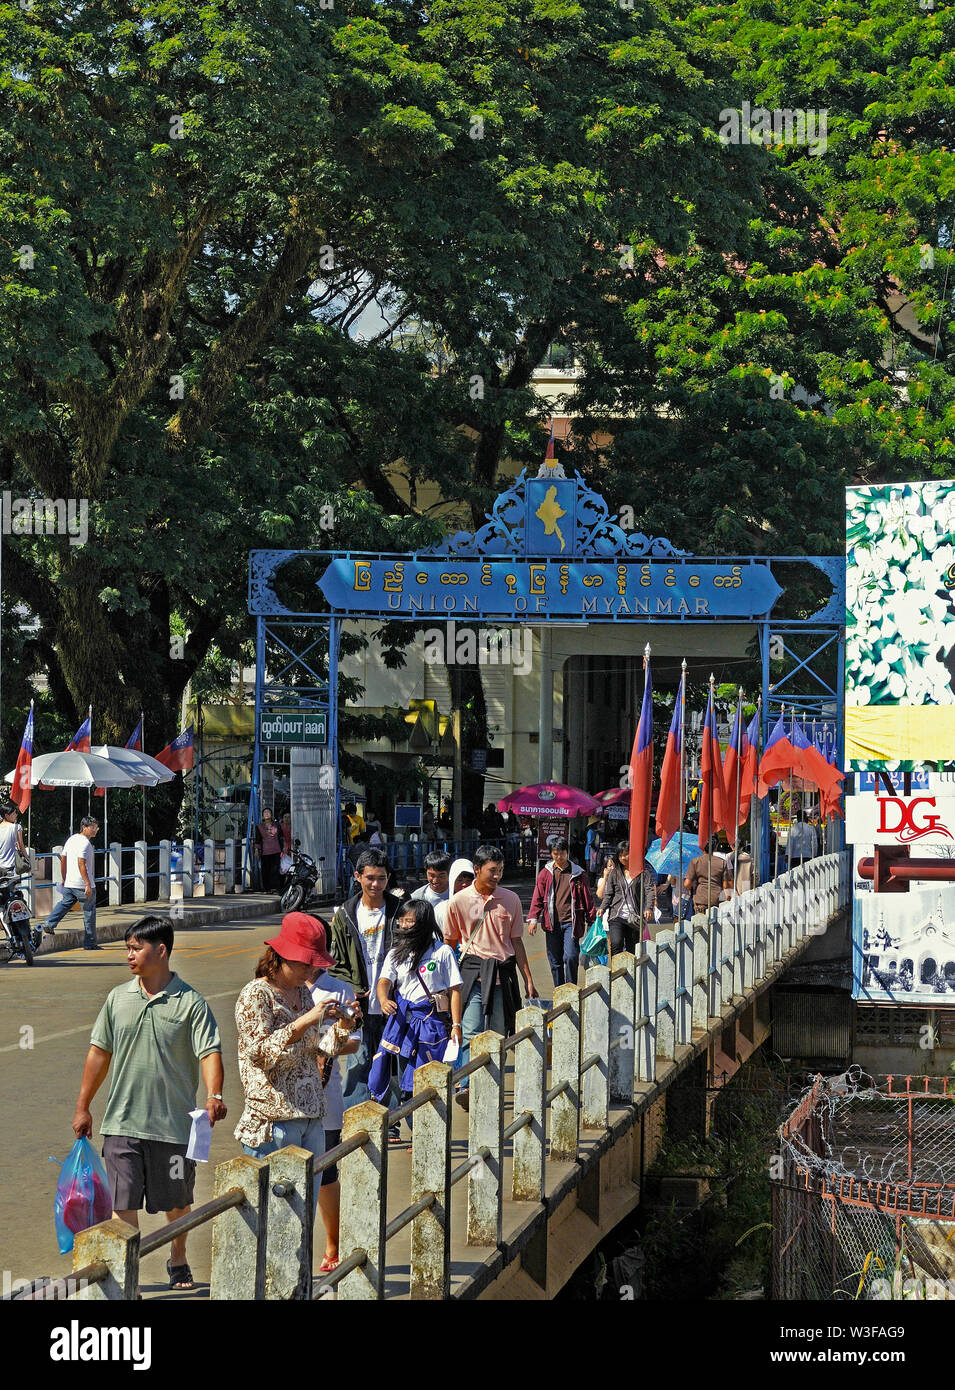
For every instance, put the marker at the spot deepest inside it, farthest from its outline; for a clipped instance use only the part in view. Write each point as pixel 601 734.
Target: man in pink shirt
pixel 487 921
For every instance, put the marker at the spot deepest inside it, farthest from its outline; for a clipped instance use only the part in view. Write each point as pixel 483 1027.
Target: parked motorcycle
pixel 17 942
pixel 299 880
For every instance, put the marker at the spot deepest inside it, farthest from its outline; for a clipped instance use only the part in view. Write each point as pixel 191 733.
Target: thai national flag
pixel 641 776
pixel 180 755
pixel 712 811
pixel 21 791
pixel 135 740
pixel 733 771
pixel 670 804
pixel 80 742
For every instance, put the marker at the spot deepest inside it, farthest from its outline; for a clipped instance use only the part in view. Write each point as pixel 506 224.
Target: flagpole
pixel 142 739
pixel 782 715
pixel 643 849
pixel 709 800
pixel 755 799
pixel 681 696
pixel 792 733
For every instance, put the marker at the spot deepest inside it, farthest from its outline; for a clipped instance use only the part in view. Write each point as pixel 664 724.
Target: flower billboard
pixel 900 623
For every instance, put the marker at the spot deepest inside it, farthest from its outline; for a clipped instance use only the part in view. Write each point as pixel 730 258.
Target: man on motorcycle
pixel 11 837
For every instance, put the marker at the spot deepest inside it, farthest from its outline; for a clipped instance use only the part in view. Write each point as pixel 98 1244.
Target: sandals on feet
pixel 180 1276
pixel 327 1265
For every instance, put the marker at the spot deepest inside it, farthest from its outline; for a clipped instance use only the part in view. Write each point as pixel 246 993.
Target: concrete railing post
pixel 715 928
pixel 623 1015
pixel 289 1219
pixel 28 887
pixel 733 919
pixel 114 874
pixel 565 1066
pixel 116 1245
pixel 595 1084
pixel 364 1177
pixel 229 876
pixel 700 927
pixel 431 1172
pixel 238 1235
pixel 55 875
pixel 530 1096
pixel 486 1131
pixel 165 870
pixel 247 877
pixel 188 868
pixel 728 959
pixel 208 868
pixel 647 1013
pixel 666 990
pixel 683 997
pixel 139 870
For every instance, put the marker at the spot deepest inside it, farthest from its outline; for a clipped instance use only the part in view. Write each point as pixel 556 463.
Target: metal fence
pixel 596 1046
pixel 864 1191
pixel 150 873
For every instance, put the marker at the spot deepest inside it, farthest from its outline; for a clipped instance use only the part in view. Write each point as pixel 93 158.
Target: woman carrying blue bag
pixel 426 1012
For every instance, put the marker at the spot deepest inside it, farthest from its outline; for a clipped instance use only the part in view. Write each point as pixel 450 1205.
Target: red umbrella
pixel 548 799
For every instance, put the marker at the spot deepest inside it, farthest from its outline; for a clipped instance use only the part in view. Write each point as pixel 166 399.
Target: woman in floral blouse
pixel 281 1037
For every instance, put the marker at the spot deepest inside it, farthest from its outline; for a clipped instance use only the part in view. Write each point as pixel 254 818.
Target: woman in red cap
pixel 281 1036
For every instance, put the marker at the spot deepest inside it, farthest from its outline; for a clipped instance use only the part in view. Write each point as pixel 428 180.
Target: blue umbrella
pixel 667 861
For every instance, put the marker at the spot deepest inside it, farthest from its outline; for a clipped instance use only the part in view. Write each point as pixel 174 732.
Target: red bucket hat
pixel 302 939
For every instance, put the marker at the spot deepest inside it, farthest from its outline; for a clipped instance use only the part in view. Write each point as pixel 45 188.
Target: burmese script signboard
pixel 520 589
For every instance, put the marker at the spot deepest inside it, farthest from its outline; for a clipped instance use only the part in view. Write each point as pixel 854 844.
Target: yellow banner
pixel 924 733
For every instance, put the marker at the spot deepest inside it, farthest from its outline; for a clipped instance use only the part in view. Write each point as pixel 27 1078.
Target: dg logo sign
pixel 900 820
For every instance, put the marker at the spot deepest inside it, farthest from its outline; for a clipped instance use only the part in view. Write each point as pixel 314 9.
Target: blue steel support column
pixel 840 836
pixel 334 624
pixel 764 823
pixel 256 748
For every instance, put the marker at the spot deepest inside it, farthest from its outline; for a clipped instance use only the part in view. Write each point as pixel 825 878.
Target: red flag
pixel 641 776
pixel 21 791
pixel 180 755
pixel 779 759
pixel 670 808
pixel 712 813
pixel 733 773
pixel 750 757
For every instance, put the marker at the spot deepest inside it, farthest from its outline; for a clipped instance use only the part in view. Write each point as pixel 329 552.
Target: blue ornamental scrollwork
pixel 598 536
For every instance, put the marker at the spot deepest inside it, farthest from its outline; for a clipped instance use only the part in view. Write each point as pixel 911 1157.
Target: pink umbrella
pixel 548 799
pixel 615 796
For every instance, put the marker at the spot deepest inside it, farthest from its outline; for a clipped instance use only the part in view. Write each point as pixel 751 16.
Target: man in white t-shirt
pixel 360 939
pixel 11 838
pixel 76 867
pixel 436 890
pixel 326 989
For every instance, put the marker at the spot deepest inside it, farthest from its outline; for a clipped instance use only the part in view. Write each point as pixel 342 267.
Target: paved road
pixel 46 1014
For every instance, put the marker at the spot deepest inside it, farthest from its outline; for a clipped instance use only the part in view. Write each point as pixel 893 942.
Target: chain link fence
pixel 863 1191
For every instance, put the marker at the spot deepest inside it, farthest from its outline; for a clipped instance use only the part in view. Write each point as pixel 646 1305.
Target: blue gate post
pixel 333 641
pixel 765 825
pixel 256 747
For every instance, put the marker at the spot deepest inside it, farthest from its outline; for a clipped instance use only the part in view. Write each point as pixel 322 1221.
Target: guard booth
pixel 550 554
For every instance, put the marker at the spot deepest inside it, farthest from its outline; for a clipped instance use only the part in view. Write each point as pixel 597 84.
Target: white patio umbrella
pixel 145 771
pixel 75 769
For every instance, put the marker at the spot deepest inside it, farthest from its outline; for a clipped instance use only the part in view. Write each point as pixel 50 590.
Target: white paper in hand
pixel 452 1051
pixel 200 1138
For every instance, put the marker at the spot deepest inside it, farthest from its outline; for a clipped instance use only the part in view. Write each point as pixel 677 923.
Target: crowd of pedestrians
pixel 337 1015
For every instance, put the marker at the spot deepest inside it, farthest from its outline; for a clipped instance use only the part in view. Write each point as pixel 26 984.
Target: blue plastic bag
pixel 594 940
pixel 82 1195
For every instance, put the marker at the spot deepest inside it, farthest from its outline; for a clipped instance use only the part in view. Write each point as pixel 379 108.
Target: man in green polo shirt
pixel 159 1033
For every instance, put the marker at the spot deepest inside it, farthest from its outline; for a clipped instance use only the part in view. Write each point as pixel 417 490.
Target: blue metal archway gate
pixel 549 552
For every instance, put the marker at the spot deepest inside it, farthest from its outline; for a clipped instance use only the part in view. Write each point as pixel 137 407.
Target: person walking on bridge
pixel 159 1033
